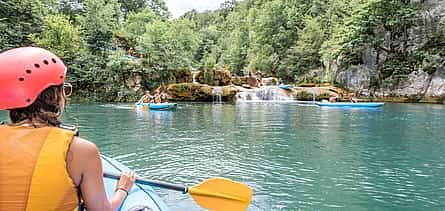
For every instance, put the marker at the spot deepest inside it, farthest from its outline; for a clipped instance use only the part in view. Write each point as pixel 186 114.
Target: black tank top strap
pixel 69 127
pixel 82 206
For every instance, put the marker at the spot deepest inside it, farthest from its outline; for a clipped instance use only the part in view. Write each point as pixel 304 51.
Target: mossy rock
pixel 304 95
pixel 229 91
pixel 307 85
pixel 214 77
pixel 270 81
pixel 189 92
pixel 324 95
pixel 239 80
pixel 435 100
pixel 198 92
pixel 183 76
pixel 206 90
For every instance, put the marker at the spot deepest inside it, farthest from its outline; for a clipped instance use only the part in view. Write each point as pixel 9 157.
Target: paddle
pixel 218 194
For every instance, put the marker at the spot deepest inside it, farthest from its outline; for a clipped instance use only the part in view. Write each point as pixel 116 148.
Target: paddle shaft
pixel 154 183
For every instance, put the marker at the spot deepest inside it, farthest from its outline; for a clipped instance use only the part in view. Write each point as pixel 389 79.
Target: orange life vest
pixel 146 99
pixel 157 99
pixel 33 174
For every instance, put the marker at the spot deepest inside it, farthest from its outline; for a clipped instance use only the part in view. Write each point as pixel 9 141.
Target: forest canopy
pixel 104 42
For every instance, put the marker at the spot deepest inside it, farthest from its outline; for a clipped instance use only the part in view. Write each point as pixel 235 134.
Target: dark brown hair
pixel 45 111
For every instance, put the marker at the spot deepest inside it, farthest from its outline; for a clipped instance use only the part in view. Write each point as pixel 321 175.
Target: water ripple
pixel 295 157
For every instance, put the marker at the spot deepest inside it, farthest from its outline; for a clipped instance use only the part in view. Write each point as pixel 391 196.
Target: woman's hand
pixel 126 181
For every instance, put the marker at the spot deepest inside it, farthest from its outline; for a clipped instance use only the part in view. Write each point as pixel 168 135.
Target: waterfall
pixel 217 93
pixel 194 74
pixel 265 93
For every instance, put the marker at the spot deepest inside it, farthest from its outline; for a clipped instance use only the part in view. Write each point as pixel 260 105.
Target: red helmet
pixel 25 73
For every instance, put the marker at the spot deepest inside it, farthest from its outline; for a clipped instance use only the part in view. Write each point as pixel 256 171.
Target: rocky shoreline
pixel 231 93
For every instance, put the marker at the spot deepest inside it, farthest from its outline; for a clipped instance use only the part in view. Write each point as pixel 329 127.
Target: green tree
pixel 134 26
pixel 61 37
pixel 305 54
pixel 158 6
pixel 168 46
pixel 100 21
pixel 19 19
pixel 70 8
pixel 235 43
pixel 270 36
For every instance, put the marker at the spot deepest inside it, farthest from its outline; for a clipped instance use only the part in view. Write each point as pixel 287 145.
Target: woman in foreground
pixel 42 165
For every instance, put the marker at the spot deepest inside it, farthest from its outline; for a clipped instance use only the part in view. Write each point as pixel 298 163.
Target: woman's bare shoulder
pixel 84 147
pixel 83 156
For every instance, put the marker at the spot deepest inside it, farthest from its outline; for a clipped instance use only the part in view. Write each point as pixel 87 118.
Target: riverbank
pixel 196 92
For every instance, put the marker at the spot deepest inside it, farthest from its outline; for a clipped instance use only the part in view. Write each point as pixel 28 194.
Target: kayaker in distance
pixel 147 98
pixel 42 166
pixel 353 97
pixel 334 97
pixel 158 97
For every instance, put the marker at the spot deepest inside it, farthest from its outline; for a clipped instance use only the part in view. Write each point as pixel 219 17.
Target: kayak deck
pixel 157 106
pixel 353 105
pixel 162 106
pixel 140 197
pixel 285 86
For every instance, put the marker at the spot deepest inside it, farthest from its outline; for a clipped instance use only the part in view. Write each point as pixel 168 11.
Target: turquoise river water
pixel 295 157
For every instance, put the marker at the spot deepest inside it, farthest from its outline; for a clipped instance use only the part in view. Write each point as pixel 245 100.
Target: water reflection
pixel 295 157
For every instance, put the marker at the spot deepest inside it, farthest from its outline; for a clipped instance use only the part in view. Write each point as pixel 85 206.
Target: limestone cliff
pixel 384 73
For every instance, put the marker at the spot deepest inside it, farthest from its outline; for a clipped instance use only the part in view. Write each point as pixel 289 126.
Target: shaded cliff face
pixel 408 63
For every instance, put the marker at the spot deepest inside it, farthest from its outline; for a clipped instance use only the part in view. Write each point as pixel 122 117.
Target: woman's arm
pixel 87 161
pixel 141 100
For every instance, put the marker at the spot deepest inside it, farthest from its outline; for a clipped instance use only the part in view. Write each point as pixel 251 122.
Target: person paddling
pixel 353 97
pixel 157 97
pixel 42 165
pixel 146 98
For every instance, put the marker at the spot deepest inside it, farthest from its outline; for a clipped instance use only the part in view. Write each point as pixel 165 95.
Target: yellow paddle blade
pixel 220 194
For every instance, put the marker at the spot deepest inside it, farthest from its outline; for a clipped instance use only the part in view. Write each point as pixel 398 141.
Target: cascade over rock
pixel 298 93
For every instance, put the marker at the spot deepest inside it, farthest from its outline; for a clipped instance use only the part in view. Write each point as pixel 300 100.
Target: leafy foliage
pixel 19 19
pixel 305 54
pixel 107 43
pixel 61 37
pixel 99 23
pixel 157 6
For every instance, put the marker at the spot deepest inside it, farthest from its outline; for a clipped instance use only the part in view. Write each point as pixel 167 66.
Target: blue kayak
pixel 285 86
pixel 157 106
pixel 162 106
pixel 140 197
pixel 351 105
